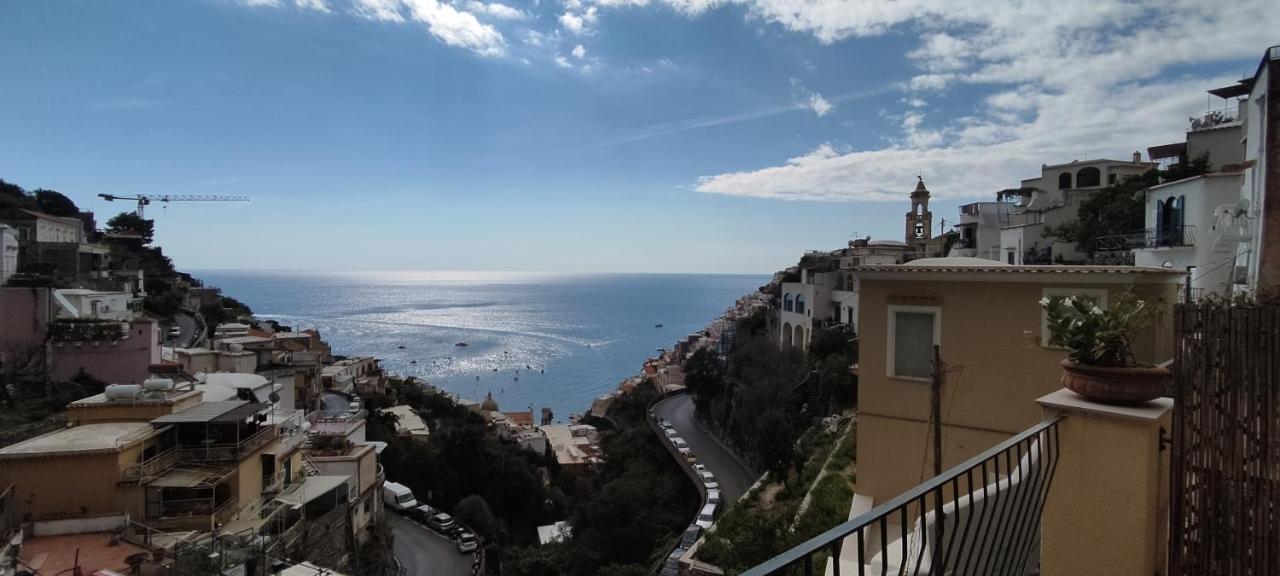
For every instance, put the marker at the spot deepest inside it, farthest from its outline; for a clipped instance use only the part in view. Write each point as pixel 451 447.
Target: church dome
pixel 489 404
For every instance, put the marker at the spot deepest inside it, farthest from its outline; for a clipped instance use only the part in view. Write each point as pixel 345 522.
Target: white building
pixel 81 303
pixel 1053 199
pixel 1258 209
pixel 8 252
pixel 980 224
pixel 1181 234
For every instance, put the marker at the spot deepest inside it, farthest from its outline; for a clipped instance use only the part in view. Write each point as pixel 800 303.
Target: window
pixel 799 303
pixel 913 332
pixel 786 302
pixel 1098 295
pixel 1064 181
pixel 1111 178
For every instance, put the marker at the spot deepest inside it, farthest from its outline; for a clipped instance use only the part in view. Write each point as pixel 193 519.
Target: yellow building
pixel 986 319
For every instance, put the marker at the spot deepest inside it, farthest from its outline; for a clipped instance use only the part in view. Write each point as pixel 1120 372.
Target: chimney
pixel 1137 157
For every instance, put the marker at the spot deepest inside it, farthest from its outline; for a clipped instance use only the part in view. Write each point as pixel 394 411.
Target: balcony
pixel 150 468
pixel 981 517
pixel 1165 237
pixel 227 452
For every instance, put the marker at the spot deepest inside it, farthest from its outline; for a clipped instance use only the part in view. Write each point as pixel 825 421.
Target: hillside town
pixel 156 426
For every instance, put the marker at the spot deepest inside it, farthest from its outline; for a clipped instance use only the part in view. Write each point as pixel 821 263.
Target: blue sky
pixel 583 135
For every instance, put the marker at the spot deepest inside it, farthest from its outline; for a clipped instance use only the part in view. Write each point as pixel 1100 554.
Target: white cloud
pixel 456 27
pixel 385 10
pixel 819 105
pixel 271 3
pixel 562 62
pixel 579 52
pixel 317 5
pixel 579 23
pixel 496 10
pixel 1061 80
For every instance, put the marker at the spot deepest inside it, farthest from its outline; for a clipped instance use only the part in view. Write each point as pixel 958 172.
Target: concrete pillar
pixel 1108 507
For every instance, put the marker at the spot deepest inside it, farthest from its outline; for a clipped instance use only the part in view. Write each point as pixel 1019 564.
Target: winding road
pixel 732 474
pixel 422 552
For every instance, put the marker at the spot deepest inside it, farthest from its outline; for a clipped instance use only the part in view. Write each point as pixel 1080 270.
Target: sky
pixel 722 136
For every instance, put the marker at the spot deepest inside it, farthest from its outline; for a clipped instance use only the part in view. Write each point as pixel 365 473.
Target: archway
pixel 786 335
pixel 1088 177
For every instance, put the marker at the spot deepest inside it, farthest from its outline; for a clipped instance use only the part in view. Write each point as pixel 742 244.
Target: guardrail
pixel 151 467
pixel 981 517
pixel 227 452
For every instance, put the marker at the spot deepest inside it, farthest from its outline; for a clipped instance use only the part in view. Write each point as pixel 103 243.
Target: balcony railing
pixel 1165 237
pixel 150 468
pixel 227 452
pixel 981 517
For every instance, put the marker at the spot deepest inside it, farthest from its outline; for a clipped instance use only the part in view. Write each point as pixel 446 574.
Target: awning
pixel 206 412
pixel 312 487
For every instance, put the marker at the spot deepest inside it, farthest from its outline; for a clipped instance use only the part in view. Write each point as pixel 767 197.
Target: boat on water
pixel 401 346
pixel 462 344
pixel 657 325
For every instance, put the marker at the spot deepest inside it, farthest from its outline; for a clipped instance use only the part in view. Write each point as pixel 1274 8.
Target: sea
pixel 533 340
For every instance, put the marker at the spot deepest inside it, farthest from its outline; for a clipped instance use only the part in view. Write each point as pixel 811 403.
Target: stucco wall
pixel 125 361
pixel 990 398
pixel 73 486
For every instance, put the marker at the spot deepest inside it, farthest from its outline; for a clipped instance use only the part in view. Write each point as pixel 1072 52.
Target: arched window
pixel 799 338
pixel 786 302
pixel 1064 181
pixel 786 335
pixel 799 303
pixel 1088 177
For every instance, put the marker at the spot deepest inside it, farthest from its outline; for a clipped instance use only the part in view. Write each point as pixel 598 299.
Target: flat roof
pixel 89 438
pixel 204 412
pixel 1232 174
pixel 312 487
pixel 190 478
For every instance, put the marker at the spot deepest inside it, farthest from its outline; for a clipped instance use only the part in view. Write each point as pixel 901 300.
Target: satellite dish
pixel 273 396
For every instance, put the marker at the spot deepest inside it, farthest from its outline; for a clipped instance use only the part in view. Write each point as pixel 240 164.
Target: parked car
pixel 422 513
pixel 671 566
pixel 706 516
pixel 442 523
pixel 467 542
pixel 671 433
pixel 679 442
pixel 709 481
pixel 398 497
pixel 713 497
pixel 175 332
pixel 699 468
pixel 690 535
pixel 665 423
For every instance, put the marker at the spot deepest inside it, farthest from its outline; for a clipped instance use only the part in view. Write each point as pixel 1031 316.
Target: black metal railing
pixel 1167 236
pixel 990 509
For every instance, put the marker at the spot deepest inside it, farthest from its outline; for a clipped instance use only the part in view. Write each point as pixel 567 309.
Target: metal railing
pixel 981 517
pixel 227 452
pixel 1168 236
pixel 150 467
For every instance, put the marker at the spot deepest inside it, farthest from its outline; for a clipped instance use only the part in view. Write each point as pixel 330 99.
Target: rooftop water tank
pixel 122 391
pixel 157 384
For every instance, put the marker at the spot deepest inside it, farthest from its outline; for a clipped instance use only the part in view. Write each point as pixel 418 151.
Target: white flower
pixel 1096 311
pixel 1044 301
pixel 1069 300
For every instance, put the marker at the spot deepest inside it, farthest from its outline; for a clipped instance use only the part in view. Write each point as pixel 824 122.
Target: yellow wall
pixel 73 486
pixel 991 398
pixel 250 482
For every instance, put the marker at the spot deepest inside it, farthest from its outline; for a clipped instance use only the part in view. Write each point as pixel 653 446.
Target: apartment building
pixel 1052 199
pixel 987 322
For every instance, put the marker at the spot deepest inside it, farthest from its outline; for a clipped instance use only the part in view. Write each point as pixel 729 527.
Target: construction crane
pixel 144 199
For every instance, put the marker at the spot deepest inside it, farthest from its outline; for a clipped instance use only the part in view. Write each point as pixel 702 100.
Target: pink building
pixel 123 361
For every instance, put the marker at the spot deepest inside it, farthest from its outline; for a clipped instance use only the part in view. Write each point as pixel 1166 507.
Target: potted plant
pixel 1100 364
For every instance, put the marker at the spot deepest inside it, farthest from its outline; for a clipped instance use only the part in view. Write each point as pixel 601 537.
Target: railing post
pixel 1107 510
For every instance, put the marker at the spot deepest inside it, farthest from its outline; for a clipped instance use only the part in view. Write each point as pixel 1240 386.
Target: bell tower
pixel 919 219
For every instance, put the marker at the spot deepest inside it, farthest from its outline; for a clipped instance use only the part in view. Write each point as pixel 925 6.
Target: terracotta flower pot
pixel 1110 385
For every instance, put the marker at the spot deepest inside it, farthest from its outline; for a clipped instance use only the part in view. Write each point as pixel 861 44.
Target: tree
pixel 54 203
pixel 474 512
pixel 12 192
pixel 131 222
pixel 704 376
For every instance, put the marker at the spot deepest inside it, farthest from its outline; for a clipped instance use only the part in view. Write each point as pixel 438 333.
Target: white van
pixel 679 442
pixel 398 497
pixel 706 516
